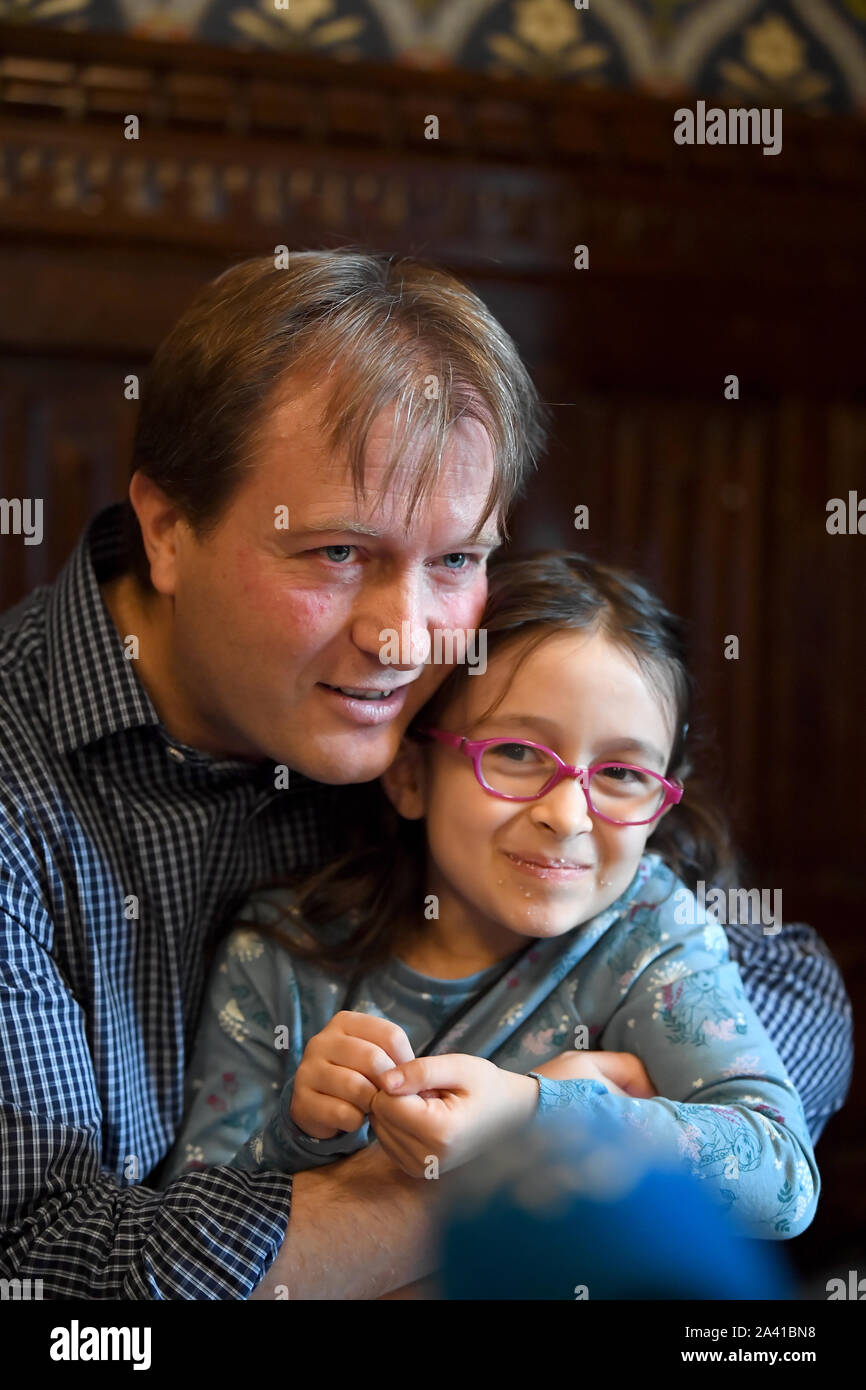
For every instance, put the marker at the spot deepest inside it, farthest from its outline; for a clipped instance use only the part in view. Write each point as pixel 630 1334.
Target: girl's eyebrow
pixel 643 750
pixel 551 731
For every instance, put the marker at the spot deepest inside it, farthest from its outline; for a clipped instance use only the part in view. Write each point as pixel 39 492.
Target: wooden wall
pixel 704 261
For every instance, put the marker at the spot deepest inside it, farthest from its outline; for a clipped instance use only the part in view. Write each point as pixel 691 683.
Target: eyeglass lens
pixel 615 791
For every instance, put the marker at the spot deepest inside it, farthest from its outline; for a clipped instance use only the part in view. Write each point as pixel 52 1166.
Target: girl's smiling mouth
pixel 544 866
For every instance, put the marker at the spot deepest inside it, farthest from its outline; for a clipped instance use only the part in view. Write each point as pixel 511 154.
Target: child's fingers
pixel 320 1115
pixel 389 1036
pixel 343 1083
pixel 397 1146
pixel 367 1059
pixel 409 1116
pixel 441 1072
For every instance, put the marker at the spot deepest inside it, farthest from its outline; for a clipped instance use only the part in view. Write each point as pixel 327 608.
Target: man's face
pixel 267 621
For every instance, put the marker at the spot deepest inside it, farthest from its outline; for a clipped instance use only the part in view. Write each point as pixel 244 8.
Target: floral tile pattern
pixel 803 54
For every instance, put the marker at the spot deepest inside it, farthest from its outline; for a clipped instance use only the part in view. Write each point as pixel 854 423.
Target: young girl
pixel 500 912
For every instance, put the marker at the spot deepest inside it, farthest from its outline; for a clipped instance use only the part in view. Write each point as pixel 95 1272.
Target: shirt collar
pixel 93 688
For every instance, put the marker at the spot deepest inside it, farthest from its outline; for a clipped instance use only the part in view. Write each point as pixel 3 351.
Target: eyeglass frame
pixel 474 749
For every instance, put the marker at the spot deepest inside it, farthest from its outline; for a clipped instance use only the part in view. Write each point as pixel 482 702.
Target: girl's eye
pixel 514 752
pixel 622 774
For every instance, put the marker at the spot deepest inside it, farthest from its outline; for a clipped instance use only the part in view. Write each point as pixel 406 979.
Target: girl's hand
pixel 622 1073
pixel 448 1107
pixel 341 1070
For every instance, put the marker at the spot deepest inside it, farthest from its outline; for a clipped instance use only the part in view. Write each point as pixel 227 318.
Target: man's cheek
pixel 304 620
pixel 425 686
pixel 469 606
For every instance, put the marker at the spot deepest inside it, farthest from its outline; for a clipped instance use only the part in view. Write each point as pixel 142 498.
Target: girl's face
pixel 588 701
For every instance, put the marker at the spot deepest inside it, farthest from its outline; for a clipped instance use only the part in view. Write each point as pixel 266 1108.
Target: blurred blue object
pixel 574 1208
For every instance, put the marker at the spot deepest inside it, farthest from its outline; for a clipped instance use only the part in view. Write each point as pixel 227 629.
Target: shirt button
pixel 176 753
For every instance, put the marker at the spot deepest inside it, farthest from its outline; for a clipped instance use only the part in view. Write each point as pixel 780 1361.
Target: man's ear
pixel 405 781
pixel 159 521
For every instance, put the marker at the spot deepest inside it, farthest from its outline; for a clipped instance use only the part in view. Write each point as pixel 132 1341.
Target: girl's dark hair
pixel 378 879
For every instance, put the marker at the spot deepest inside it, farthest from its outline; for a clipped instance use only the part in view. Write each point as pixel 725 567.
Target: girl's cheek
pixel 617 846
pixel 632 848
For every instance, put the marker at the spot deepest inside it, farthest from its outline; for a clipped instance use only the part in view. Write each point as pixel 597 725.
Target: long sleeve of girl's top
pixel 239 1084
pixel 726 1107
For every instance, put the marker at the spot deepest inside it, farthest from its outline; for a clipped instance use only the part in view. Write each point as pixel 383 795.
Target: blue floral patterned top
pixel 634 979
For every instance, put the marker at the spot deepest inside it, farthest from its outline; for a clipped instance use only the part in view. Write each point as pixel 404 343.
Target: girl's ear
pixel 405 781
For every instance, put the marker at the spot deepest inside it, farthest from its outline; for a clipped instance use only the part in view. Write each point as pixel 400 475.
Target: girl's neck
pixel 450 950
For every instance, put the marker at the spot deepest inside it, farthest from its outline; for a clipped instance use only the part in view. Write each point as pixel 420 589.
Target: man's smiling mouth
pixel 366 705
pixel 357 693
pixel 366 692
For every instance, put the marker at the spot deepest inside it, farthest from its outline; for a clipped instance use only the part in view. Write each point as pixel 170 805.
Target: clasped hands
pixel 447 1107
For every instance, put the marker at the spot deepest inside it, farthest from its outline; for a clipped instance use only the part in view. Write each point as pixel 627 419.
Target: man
pixel 324 453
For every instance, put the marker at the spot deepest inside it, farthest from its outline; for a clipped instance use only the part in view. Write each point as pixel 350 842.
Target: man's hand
pixel 621 1072
pixel 359 1228
pixel 448 1108
pixel 341 1070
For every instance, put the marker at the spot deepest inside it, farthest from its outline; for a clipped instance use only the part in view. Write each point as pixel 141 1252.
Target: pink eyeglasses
pixel 516 769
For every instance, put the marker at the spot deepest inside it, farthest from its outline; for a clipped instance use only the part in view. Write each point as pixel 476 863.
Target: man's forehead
pixel 325 498
pixel 296 459
pixel 318 519
pixel 299 406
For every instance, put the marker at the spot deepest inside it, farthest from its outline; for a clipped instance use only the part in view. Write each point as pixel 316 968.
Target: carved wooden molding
pixel 240 149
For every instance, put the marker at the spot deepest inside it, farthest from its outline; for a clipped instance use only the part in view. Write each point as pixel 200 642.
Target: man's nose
pixel 391 621
pixel 564 810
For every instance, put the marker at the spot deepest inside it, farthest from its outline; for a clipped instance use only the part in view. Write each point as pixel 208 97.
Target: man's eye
pixel 327 549
pixel 461 555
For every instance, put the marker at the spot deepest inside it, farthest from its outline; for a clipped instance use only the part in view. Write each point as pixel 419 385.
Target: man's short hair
pixel 384 330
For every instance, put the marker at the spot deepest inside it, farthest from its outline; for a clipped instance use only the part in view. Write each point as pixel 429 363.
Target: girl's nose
pixel 564 810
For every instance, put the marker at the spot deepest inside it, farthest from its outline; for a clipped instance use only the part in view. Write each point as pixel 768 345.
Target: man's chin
pixel 342 767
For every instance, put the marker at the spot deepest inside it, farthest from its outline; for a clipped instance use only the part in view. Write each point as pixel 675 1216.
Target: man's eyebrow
pixel 360 528
pixel 337 523
pixel 552 730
